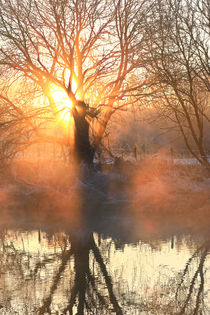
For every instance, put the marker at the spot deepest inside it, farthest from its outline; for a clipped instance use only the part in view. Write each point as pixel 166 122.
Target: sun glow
pixel 62 102
pixel 63 106
pixel 74 87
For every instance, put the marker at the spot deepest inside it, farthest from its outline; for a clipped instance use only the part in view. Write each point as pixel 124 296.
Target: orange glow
pixel 62 101
pixel 75 88
pixel 63 106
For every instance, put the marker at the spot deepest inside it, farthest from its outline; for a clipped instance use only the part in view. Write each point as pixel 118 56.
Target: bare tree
pixel 55 43
pixel 178 45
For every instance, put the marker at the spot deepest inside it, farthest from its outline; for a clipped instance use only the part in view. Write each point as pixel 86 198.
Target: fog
pixel 143 126
pixel 144 193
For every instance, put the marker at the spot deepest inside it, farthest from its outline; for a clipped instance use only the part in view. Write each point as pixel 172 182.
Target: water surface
pixel 109 264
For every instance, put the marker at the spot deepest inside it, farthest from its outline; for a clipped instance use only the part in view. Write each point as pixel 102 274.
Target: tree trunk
pixel 84 151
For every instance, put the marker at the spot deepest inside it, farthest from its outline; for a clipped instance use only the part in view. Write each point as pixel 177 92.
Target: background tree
pixel 178 53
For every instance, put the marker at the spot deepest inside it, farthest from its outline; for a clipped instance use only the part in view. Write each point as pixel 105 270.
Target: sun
pixel 62 102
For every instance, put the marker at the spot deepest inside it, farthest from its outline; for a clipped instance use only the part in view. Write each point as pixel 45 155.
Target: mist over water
pixel 128 240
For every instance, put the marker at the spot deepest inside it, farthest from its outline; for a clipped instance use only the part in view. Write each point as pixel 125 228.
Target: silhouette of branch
pixel 198 298
pixel 192 285
pixel 48 300
pixel 92 282
pixel 186 269
pixel 109 285
pixel 74 292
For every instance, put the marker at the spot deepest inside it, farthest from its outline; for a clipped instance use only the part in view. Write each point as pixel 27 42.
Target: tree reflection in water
pixel 84 283
pixel 186 292
pixel 84 294
pixel 190 289
pixel 80 272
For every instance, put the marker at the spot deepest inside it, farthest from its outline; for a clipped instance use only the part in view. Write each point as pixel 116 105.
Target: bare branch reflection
pixel 190 296
pixel 84 279
pixel 77 280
